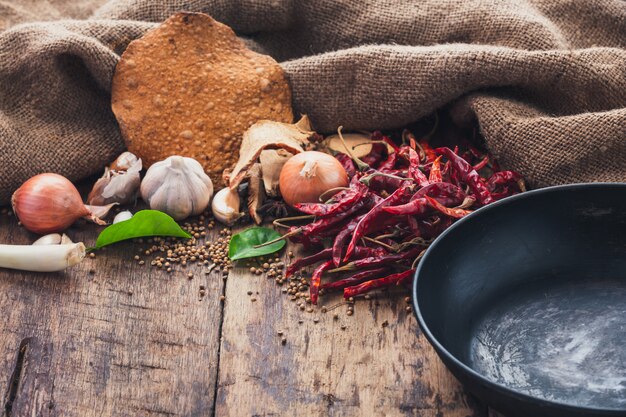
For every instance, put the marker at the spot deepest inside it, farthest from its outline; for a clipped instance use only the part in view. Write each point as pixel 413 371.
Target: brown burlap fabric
pixel 545 79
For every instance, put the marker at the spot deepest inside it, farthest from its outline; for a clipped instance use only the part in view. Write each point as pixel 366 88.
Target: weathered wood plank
pixel 124 340
pixel 369 368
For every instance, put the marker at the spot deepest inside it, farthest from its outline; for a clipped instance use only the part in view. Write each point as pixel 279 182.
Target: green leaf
pixel 242 245
pixel 143 223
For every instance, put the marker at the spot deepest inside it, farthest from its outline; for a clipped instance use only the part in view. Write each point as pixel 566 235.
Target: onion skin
pixel 48 203
pixel 307 175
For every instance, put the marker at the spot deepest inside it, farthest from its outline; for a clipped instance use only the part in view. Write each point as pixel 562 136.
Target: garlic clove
pixel 125 162
pixel 119 183
pixel 96 213
pixel 122 216
pixel 51 239
pixel 225 206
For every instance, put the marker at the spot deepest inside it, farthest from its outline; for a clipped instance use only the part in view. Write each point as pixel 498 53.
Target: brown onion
pixel 307 175
pixel 49 203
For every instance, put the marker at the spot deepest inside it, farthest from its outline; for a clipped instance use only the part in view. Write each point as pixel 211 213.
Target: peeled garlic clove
pixel 65 239
pixel 177 186
pixel 51 239
pixel 225 206
pixel 122 216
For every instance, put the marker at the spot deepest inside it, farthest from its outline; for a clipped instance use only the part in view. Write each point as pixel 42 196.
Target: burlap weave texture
pixel 544 79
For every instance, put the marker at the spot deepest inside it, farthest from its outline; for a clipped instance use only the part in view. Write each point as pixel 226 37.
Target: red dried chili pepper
pixel 456 213
pixel 481 164
pixel 376 154
pixel 347 163
pixel 393 279
pixel 445 193
pixel 414 163
pixel 441 191
pixel 364 224
pixel 505 178
pixel 342 238
pixel 389 163
pixel 377 135
pixel 435 171
pixel 316 279
pixel 415 207
pixel 375 261
pixel 327 223
pixel 468 175
pixel 322 209
pixel 355 279
pixel 360 252
pixel 309 260
pixel 389 184
pixel 429 152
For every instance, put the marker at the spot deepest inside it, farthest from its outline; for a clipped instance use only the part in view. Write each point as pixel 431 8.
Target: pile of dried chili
pixel 396 205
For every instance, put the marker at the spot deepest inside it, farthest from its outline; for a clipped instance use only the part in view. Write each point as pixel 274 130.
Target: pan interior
pixel 560 340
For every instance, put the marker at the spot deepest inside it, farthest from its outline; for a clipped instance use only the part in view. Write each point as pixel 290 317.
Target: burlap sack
pixel 545 80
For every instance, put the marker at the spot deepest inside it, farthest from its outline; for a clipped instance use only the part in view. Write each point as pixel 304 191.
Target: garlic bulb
pixel 177 186
pixel 225 206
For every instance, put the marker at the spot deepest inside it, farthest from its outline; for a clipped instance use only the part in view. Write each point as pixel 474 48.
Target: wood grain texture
pixel 367 369
pixel 127 340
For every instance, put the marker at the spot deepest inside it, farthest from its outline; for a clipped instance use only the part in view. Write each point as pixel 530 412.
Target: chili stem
pixel 360 164
pixel 366 180
pixel 323 195
pixel 384 245
pixel 278 222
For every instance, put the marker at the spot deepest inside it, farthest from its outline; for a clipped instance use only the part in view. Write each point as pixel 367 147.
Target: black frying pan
pixel 525 301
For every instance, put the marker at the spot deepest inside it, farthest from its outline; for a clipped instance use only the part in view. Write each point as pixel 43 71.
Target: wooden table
pixel 111 337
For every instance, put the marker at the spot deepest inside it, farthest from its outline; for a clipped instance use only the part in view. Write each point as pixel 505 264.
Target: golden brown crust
pixel 190 87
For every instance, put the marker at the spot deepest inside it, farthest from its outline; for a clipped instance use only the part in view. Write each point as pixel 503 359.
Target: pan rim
pixel 441 350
